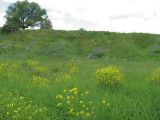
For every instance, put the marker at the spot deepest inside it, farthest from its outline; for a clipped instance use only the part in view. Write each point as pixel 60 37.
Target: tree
pixel 7 28
pixel 24 14
pixel 10 26
pixel 46 24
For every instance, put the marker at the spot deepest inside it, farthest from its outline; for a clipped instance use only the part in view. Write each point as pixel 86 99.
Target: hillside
pixel 81 44
pixel 79 75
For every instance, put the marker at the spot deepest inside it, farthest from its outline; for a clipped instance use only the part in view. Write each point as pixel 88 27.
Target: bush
pixel 108 76
pixel 155 76
pixel 9 28
pixel 46 24
pixel 96 53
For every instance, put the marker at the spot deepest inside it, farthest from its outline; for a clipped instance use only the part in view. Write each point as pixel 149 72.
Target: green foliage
pixel 46 24
pixel 24 14
pixel 9 27
pixel 0 30
pixel 155 50
pixel 96 53
pixel 110 75
pixel 143 40
pixel 86 44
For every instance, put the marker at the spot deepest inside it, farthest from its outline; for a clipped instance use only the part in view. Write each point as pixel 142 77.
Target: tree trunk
pixel 23 26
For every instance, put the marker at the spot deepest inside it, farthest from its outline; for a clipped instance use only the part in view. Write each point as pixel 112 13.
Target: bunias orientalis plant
pixel 74 104
pixel 40 81
pixel 110 75
pixel 155 76
pixel 17 107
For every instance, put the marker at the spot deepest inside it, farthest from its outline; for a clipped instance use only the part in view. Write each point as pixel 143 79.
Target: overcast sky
pixel 106 15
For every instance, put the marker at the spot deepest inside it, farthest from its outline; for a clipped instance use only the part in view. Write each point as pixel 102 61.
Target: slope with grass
pixel 36 66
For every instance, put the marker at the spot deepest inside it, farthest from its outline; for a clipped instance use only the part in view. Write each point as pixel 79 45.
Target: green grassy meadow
pixel 38 65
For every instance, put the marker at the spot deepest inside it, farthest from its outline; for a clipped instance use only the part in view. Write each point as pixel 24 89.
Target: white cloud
pixel 109 15
pixel 2 20
pixel 3 5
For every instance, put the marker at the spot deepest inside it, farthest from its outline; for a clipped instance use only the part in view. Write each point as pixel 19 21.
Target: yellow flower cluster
pixel 3 67
pixel 8 75
pixel 63 77
pixel 74 104
pixel 39 69
pixel 72 68
pixel 9 71
pixel 35 67
pixel 155 76
pixel 108 76
pixel 32 63
pixel 105 103
pixel 40 81
pixel 15 66
pixel 17 107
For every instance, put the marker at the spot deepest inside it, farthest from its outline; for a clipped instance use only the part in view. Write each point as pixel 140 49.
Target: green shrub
pixel 9 28
pixel 108 76
pixel 96 53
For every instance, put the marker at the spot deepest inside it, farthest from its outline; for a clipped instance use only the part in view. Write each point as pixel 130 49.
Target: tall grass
pixel 59 60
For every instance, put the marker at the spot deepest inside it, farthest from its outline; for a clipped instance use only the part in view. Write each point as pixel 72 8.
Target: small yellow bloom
pixel 77 114
pixel 81 102
pixel 103 102
pixel 59 97
pixel 88 114
pixel 7 113
pixel 59 105
pixel 21 98
pixel 71 110
pixel 72 97
pixel 90 102
pixel 108 104
pixel 86 93
pixel 64 91
pixel 29 118
pixel 68 97
pixel 75 93
pixel 81 112
pixel 68 102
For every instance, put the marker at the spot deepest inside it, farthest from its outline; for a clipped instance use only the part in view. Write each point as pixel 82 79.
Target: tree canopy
pixel 23 14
